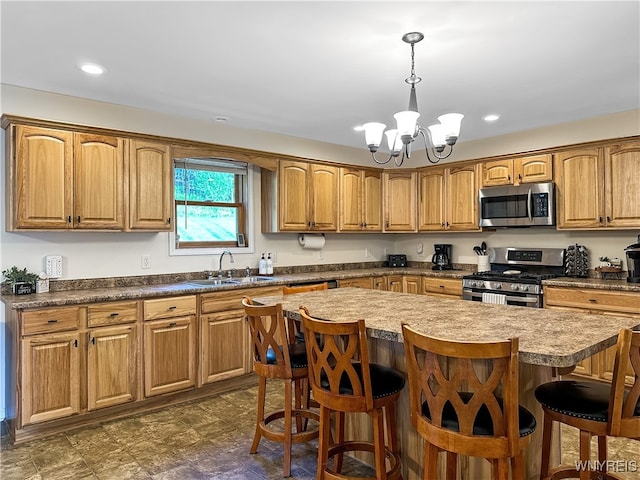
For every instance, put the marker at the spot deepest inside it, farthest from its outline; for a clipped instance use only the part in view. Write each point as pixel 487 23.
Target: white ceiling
pixel 317 69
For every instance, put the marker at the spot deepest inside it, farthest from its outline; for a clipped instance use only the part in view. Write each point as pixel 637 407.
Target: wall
pixel 92 255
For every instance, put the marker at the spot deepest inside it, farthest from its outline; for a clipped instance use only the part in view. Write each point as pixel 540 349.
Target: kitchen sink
pixel 229 281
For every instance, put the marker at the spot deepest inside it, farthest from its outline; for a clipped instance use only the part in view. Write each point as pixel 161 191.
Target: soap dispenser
pixel 269 265
pixel 262 266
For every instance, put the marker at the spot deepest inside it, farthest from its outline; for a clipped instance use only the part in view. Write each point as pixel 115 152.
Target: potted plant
pixel 20 281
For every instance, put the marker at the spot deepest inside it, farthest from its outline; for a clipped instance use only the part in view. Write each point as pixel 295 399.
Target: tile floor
pixel 204 439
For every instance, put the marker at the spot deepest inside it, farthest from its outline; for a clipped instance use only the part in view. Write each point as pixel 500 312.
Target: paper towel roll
pixel 313 241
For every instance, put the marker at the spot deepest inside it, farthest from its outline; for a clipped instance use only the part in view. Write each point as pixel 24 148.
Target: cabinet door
pixel 372 200
pixel 432 198
pixel 462 198
pixel 293 196
pixel 150 186
pixel 534 168
pixel 364 282
pixel 324 200
pixel 497 172
pixel 411 284
pixel 579 188
pixel 351 200
pixel 169 355
pixel 50 377
pixel 112 370
pixel 622 188
pixel 224 345
pixel 400 201
pixel 606 361
pixel 379 283
pixel 394 283
pixel 98 164
pixel 43 178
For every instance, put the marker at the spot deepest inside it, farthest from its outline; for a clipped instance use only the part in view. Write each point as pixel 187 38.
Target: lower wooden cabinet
pixel 442 287
pixel 361 282
pixel 169 355
pixel 223 345
pixel 394 283
pixel 112 370
pixel 411 284
pixel 601 302
pixel 50 377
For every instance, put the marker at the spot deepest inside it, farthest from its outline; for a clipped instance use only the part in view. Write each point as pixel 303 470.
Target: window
pixel 210 202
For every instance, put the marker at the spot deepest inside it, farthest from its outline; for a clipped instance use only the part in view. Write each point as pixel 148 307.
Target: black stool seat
pixel 483 424
pixel 385 381
pixel 588 400
pixel 297 354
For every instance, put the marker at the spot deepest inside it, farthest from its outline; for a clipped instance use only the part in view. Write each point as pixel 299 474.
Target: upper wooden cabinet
pixel 449 198
pixel 150 186
pixel 399 202
pixel 514 171
pixel 65 180
pixel 360 200
pixel 598 187
pixel 300 197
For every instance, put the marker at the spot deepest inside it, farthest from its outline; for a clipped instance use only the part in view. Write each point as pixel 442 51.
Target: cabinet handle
pixel 53 320
pixel 441 286
pixel 608 219
pixel 447 224
pixel 173 307
pixel 93 340
pixel 386 224
pixel 172 324
pixel 365 224
pixel 114 314
pixel 169 220
pixel 509 178
pixel 519 177
pixel 78 218
pixel 593 300
pixel 600 219
pixel 69 219
pixel 75 343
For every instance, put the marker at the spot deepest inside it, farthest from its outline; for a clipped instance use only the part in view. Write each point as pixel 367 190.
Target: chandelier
pixel 436 137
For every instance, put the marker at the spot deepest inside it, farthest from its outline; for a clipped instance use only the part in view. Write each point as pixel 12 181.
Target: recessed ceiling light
pixel 491 117
pixel 92 68
pixel 221 119
pixel 359 128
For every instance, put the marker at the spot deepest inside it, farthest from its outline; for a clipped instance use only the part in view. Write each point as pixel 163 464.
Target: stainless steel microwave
pixel 525 205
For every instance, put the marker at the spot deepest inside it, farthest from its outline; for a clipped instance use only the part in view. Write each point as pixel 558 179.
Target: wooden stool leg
pixel 501 469
pixel 602 449
pixel 262 390
pixel 297 398
pixel 323 441
pixel 547 430
pixel 517 467
pixel 339 439
pixel 430 468
pixel 452 466
pixel 585 453
pixel 287 428
pixel 392 432
pixel 378 443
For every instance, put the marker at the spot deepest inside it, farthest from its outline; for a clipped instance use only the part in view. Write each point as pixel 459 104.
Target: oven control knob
pixel 524 288
pixel 515 287
pixel 498 286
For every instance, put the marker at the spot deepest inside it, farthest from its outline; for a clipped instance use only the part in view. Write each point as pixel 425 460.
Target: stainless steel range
pixel 516 276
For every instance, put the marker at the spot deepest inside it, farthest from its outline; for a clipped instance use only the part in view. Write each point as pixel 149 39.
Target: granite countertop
pixel 547 337
pixel 121 291
pixel 597 283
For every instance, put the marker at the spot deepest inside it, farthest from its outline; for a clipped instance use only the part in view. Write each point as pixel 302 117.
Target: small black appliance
pixel 397 260
pixel 442 258
pixel 633 262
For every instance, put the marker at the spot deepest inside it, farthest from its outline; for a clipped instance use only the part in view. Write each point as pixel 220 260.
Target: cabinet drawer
pixel 232 299
pixel 112 313
pixel 50 320
pixel 169 307
pixel 442 286
pixel 592 299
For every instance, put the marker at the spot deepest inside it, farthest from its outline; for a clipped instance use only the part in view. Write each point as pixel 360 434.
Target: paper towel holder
pixel 301 236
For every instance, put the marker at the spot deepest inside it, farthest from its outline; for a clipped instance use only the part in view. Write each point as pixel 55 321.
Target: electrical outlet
pixel 53 266
pixel 419 248
pixel 320 255
pixel 145 261
pixel 274 257
pixel 367 253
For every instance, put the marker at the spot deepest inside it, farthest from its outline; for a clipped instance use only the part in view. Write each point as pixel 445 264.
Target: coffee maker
pixel 633 262
pixel 442 258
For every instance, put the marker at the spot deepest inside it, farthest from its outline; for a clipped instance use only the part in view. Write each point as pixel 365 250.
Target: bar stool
pixel 343 381
pixel 275 358
pixel 596 409
pixel 457 412
pixel 295 326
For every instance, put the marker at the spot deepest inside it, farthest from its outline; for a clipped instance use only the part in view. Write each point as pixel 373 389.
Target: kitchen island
pixel 549 339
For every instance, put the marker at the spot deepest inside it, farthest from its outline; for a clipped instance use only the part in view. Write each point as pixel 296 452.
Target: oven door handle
pixel 525 299
pixel 529 206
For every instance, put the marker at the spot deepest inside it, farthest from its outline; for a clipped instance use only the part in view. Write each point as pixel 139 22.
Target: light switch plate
pixel 53 266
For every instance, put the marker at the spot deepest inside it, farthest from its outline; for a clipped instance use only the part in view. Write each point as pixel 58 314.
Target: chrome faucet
pixel 220 265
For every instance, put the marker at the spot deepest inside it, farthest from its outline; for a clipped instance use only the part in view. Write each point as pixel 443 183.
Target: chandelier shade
pixel 436 137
